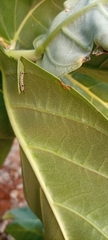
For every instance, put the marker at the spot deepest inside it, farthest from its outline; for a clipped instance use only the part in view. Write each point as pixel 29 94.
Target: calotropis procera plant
pixel 62 130
pixel 79 27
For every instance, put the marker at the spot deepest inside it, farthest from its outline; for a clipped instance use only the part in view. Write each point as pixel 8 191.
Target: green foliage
pixel 62 131
pixel 25 224
pixel 69 41
pixel 31 18
pixel 6 133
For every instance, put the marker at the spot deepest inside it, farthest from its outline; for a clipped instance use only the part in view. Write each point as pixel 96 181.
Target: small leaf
pixel 25 224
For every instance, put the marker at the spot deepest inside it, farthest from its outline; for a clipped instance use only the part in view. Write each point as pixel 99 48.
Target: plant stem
pixel 29 54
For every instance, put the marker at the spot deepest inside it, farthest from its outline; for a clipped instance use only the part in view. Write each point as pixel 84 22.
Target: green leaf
pixel 25 224
pixel 93 85
pixel 6 133
pixel 22 21
pixel 70 39
pixel 92 82
pixel 63 137
pixel 97 93
pixel 64 143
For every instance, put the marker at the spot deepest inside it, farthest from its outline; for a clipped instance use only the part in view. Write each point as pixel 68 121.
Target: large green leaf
pixel 63 137
pixel 64 141
pixel 6 133
pixel 31 14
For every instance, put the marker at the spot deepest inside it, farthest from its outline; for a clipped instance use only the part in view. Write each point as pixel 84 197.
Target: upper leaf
pixel 72 35
pixel 21 21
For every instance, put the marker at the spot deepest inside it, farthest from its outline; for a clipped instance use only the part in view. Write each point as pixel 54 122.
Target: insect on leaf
pixel 20 76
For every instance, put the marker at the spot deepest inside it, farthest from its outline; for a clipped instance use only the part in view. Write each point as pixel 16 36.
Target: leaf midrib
pixel 81 216
pixel 50 36
pixel 25 19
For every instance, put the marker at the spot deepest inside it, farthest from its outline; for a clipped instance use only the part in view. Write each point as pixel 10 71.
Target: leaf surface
pixel 22 21
pixel 63 137
pixel 31 14
pixel 64 159
pixel 92 83
pixel 72 35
